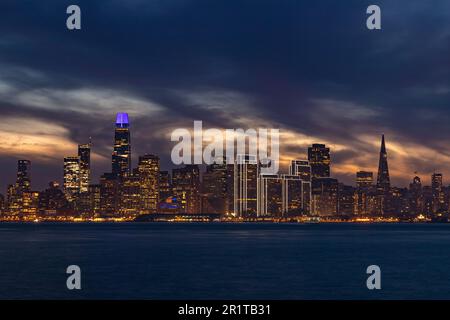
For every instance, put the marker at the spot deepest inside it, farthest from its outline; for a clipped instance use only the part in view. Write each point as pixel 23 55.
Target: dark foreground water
pixel 224 261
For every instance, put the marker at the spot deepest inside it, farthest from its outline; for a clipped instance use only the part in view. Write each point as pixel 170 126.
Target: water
pixel 224 261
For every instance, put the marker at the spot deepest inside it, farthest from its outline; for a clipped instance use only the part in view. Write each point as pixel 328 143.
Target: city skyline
pixel 55 94
pixel 237 188
pixel 121 146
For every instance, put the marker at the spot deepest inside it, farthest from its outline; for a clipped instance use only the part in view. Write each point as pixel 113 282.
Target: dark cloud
pixel 307 67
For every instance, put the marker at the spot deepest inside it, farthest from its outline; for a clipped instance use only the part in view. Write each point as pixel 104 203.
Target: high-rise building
pixel 346 200
pixel 84 153
pixel 71 178
pixel 94 198
pixel 186 188
pixel 30 204
pixel 121 156
pixel 12 204
pixel 383 180
pixel 364 180
pixel 281 196
pixel 165 185
pixel 302 169
pixel 52 201
pixel 245 185
pixel 427 193
pixel 148 171
pixel 320 160
pixel 2 204
pixel 325 193
pixel 214 188
pixel 131 199
pixel 229 202
pixel 415 197
pixel 23 182
pixel 270 195
pixel 437 192
pixel 109 194
pixel 296 195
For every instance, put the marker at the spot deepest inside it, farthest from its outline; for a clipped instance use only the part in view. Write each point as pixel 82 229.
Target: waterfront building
pixel 186 188
pixel 320 160
pixel 383 179
pixel 84 153
pixel 72 178
pixel 245 185
pixel 121 156
pixel 325 196
pixel 148 172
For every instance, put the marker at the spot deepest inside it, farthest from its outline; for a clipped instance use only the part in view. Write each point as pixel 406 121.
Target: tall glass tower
pixel 84 153
pixel 383 180
pixel 121 156
pixel 23 182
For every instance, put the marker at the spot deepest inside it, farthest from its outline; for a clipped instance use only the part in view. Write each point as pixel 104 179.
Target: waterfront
pixel 224 261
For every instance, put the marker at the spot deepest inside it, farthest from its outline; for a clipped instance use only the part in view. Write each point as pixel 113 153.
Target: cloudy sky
pixel 309 68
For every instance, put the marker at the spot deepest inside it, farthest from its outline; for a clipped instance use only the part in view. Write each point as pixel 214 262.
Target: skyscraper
pixel 383 180
pixel 325 193
pixel 319 159
pixel 214 188
pixel 71 178
pixel 270 195
pixel 245 185
pixel 84 153
pixel 364 179
pixel 437 192
pixel 302 169
pixel 109 194
pixel 121 156
pixel 23 182
pixel 416 202
pixel 165 185
pixel 148 171
pixel 186 188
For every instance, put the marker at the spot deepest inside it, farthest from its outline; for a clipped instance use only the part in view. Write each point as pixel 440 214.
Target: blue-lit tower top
pixel 122 120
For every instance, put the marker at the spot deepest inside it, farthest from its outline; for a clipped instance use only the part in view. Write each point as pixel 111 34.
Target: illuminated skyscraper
pixel 325 193
pixel 363 199
pixel 437 192
pixel 30 204
pixel 84 153
pixel 270 195
pixel 131 199
pixel 71 178
pixel 416 202
pixel 121 157
pixel 383 180
pixel 214 188
pixel 364 179
pixel 2 204
pixel 109 194
pixel 23 182
pixel 186 188
pixel 52 201
pixel 148 170
pixel 302 169
pixel 296 195
pixel 23 185
pixel 320 160
pixel 245 185
pixel 165 185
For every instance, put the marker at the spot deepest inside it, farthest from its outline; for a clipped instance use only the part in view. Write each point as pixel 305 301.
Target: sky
pixel 309 68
